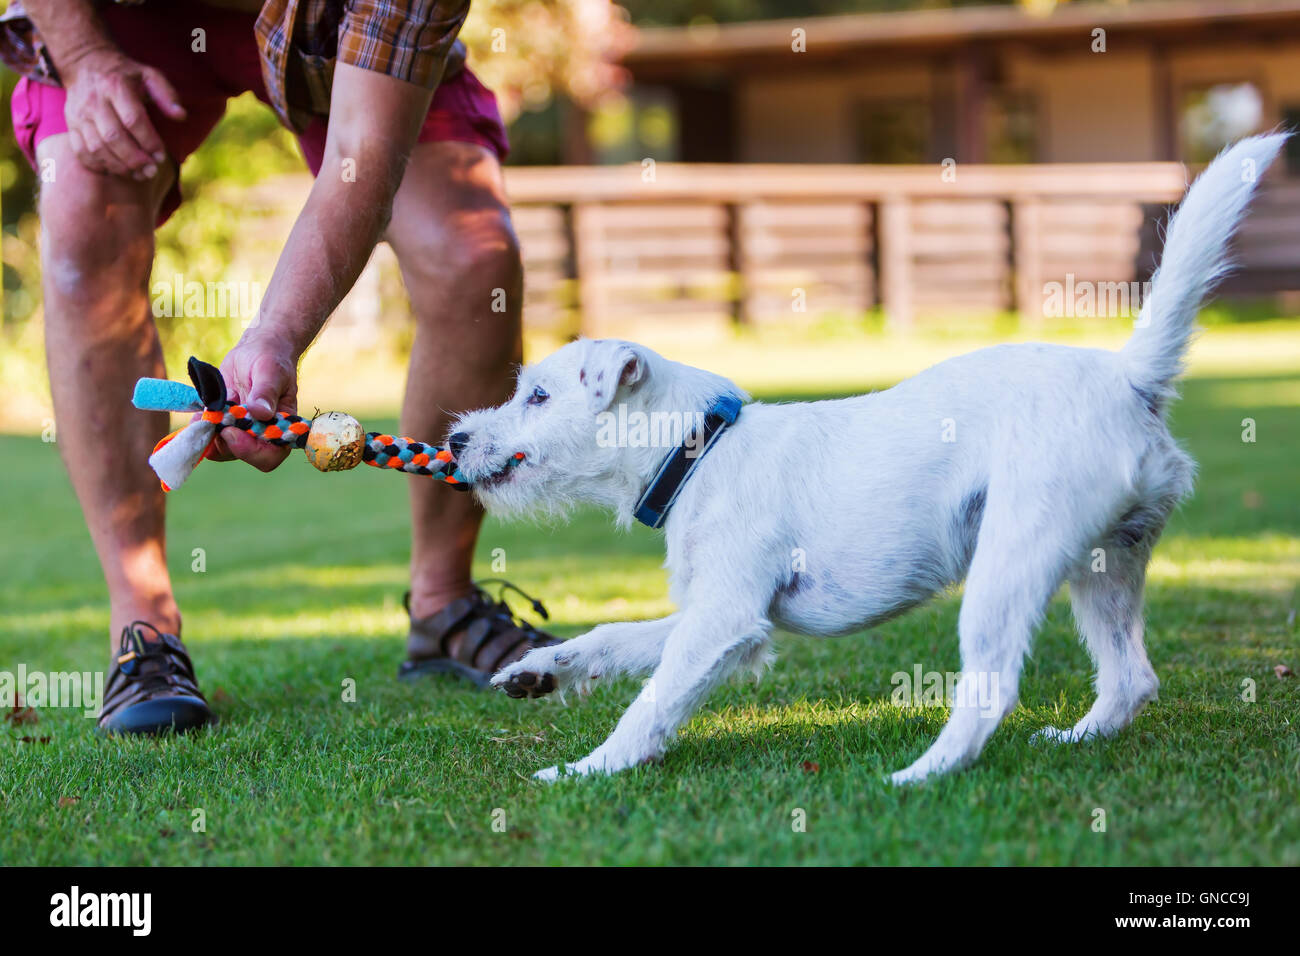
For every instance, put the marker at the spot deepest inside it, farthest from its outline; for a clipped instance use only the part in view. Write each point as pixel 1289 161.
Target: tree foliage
pixel 527 51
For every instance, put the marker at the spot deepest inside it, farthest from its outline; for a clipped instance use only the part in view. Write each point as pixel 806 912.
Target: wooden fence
pixel 607 248
pixel 757 243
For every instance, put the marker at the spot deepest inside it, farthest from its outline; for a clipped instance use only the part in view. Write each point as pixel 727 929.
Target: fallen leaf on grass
pixel 810 767
pixel 19 715
pixel 69 801
pixel 34 740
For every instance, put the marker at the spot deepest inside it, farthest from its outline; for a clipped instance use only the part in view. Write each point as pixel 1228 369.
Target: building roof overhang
pixel 669 52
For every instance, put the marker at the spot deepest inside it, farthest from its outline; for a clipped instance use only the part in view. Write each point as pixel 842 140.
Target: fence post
pixel 738 263
pixel 570 302
pixel 896 260
pixel 1027 257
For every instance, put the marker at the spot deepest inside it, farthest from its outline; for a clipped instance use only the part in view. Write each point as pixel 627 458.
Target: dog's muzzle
pixel 457 442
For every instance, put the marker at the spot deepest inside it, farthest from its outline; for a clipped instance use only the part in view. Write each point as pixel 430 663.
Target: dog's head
pixel 590 422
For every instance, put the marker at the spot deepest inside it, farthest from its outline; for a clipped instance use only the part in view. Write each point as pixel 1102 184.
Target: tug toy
pixel 332 442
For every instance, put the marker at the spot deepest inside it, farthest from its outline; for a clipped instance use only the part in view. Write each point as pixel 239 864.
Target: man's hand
pixel 108 120
pixel 261 374
pixel 374 121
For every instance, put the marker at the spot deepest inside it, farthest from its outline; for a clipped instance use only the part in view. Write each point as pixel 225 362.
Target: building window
pixel 893 131
pixel 1214 116
pixel 1010 128
pixel 644 123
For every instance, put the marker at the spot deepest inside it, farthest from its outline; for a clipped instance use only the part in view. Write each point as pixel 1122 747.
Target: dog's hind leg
pixel 625 648
pixel 706 645
pixel 1022 555
pixel 1107 606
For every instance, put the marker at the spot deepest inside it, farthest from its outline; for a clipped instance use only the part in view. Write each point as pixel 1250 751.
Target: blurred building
pixel 1092 82
pixel 972 159
pixel 977 160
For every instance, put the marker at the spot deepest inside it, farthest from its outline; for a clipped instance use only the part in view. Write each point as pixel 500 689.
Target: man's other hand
pixel 107 113
pixel 261 374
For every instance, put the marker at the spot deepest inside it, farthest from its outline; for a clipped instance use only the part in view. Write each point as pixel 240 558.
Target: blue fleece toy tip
pixel 160 395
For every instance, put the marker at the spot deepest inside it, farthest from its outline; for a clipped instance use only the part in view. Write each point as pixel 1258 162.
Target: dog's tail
pixel 1195 258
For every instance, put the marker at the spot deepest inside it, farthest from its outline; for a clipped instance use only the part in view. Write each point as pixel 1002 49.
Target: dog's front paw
pixel 925 768
pixel 533 675
pixel 551 774
pixel 597 761
pixel 525 684
pixel 902 778
pixel 1057 735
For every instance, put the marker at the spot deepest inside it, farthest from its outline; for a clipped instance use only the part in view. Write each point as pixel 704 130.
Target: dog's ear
pixel 610 364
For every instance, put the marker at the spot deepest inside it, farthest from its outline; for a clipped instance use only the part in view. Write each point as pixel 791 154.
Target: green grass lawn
pixel 307 594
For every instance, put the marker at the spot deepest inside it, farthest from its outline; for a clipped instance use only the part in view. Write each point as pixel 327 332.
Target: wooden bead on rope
pixel 336 442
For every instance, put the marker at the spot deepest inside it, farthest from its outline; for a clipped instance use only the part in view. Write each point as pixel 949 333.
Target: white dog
pixel 1006 467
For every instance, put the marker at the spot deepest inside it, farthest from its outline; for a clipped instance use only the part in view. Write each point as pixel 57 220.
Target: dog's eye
pixel 538 396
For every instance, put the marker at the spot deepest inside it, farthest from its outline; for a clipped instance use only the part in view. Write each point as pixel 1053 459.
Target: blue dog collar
pixel 657 499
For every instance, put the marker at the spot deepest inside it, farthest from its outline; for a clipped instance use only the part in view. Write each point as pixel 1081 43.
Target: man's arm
pixel 69 28
pixel 373 125
pixel 108 124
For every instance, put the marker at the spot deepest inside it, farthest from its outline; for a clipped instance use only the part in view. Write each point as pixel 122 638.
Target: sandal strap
pixel 478 633
pixel 433 632
pixel 501 648
pixel 490 634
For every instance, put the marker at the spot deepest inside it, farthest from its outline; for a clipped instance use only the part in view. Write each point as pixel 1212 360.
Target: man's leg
pixel 459 258
pixel 96 254
pixel 97 249
pixel 460 262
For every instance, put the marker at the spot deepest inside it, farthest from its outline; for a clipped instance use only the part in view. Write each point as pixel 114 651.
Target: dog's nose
pixel 457 443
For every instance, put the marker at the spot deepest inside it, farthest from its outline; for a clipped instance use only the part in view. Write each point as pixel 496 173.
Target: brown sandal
pixel 151 686
pixel 472 637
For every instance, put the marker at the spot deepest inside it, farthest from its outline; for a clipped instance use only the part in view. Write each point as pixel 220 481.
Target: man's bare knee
pixel 489 250
pixel 97 236
pixel 92 255
pixel 471 270
pixel 462 253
